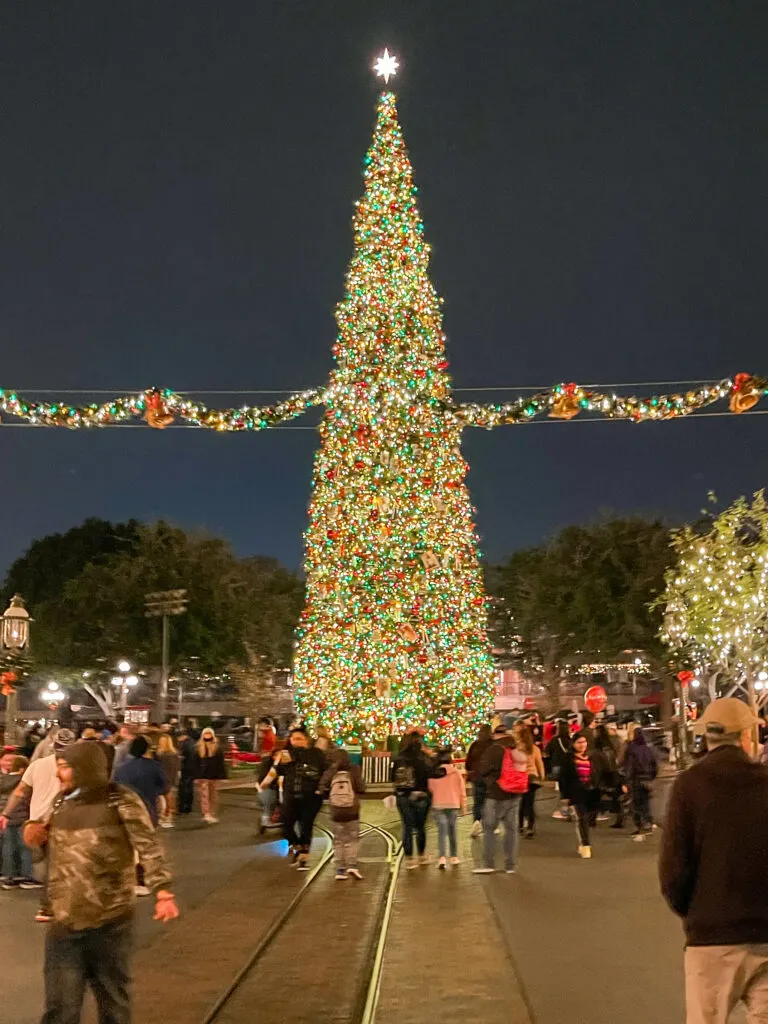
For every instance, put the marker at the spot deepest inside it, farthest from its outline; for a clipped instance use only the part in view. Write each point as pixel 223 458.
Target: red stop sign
pixel 595 699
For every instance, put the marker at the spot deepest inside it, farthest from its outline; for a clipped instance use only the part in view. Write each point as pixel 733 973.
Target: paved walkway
pixel 563 939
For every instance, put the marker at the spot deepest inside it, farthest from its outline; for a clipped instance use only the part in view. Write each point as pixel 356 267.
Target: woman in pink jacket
pixel 449 796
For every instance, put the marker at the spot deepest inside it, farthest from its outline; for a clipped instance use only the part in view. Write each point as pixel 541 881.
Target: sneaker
pixel 293 853
pixel 455 861
pixel 483 871
pixel 497 830
pixel 531 833
pixel 211 820
pixel 441 864
pixel 640 837
pixel 585 852
pixel 11 883
pixel 425 859
pixel 636 832
pixel 411 863
pixel 559 815
pixel 603 817
pixel 341 875
pixel 142 890
pixel 477 830
pixel 43 917
pixel 166 824
pixel 30 883
pixel 509 871
pixel 354 873
pixel 303 863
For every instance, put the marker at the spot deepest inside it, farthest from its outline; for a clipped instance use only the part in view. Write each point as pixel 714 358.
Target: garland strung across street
pixel 159 408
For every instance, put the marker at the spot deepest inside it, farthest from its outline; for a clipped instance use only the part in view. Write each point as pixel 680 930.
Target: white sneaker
pixel 559 815
pixel 483 871
pixel 477 829
pixel 509 871
pixel 497 830
pixel 455 862
pixel 142 890
pixel 166 824
pixel 603 817
pixel 411 863
pixel 425 859
pixel 585 852
pixel 211 820
pixel 354 873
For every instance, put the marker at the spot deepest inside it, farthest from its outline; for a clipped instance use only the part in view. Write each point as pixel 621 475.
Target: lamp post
pixel 14 638
pixel 164 604
pixel 124 681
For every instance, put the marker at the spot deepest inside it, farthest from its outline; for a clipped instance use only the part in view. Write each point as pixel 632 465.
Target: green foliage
pixel 98 612
pixel 587 592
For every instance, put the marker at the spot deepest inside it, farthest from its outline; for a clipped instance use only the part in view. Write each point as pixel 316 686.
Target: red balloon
pixel 595 699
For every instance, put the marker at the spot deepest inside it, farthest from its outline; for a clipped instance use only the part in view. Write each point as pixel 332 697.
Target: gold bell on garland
pixel 566 404
pixel 745 394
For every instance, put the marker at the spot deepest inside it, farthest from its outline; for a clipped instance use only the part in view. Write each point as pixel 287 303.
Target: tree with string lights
pixel 716 599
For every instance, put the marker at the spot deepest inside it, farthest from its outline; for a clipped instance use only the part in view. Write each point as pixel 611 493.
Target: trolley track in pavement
pixel 321 959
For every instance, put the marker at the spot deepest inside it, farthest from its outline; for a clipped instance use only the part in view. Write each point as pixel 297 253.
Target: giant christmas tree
pixel 393 632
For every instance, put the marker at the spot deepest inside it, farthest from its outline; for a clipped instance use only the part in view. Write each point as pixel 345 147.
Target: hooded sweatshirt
pixel 640 764
pixel 95 830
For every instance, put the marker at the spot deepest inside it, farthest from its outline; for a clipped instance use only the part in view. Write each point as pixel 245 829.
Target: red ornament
pixel 332 534
pixel 595 699
pixel 443 364
pixel 359 464
pixel 686 677
pixel 738 383
pixel 330 473
pixel 569 389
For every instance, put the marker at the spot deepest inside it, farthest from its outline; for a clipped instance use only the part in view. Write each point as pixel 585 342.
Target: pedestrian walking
pixel 16 856
pixel 609 747
pixel 266 736
pixel 505 770
pixel 449 800
pixel 557 753
pixel 96 831
pixel 640 768
pixel 186 791
pixel 580 784
pixel 713 852
pixel 208 769
pixel 474 756
pixel 301 767
pixel 270 794
pixel 40 787
pixel 343 782
pixel 410 773
pixel 122 741
pixel 535 767
pixel 169 759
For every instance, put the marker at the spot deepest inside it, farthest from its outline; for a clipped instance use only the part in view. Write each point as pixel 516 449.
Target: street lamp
pixel 125 680
pixel 163 604
pixel 52 695
pixel 14 638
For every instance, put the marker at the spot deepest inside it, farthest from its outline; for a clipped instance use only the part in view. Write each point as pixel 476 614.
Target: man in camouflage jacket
pixel 96 829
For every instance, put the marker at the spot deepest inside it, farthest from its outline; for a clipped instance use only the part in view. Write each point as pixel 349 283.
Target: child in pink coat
pixel 449 796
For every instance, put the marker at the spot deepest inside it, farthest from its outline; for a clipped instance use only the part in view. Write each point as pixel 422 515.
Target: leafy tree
pixel 98 615
pixel 715 602
pixel 50 563
pixel 588 591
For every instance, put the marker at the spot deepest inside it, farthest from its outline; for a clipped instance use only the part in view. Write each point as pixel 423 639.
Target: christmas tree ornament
pixel 745 394
pixel 156 413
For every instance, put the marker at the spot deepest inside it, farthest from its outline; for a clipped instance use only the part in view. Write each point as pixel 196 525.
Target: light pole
pixel 124 680
pixel 14 637
pixel 162 605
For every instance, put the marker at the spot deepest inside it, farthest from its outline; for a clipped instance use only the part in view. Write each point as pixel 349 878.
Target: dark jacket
pixel 186 748
pixel 571 786
pixel 302 774
pixel 95 831
pixel 490 768
pixel 356 777
pixel 640 763
pixel 410 772
pixel 475 756
pixel 715 848
pixel 145 777
pixel 213 767
pixel 558 751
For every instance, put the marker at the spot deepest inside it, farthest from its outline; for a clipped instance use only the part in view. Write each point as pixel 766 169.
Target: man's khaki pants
pixel 718 978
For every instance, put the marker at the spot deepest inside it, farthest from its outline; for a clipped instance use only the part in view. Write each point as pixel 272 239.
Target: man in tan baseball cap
pixel 714 852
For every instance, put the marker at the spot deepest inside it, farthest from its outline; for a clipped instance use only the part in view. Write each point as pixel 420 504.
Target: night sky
pixel 176 189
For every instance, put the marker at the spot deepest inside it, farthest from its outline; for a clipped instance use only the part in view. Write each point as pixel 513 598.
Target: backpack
pixel 342 793
pixel 513 778
pixel 404 776
pixel 305 779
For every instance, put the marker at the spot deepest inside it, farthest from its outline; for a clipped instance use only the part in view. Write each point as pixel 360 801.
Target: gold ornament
pixel 565 407
pixel 429 560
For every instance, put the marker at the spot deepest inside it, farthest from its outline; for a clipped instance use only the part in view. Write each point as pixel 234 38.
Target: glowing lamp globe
pixel 595 699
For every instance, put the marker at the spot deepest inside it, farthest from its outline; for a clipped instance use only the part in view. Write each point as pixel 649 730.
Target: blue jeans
pixel 446 829
pixel 95 956
pixel 413 813
pixel 495 813
pixel 268 801
pixel 478 792
pixel 17 858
